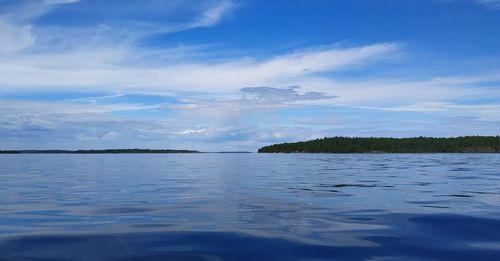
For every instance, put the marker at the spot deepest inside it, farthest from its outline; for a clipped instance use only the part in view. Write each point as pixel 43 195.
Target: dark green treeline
pixel 469 144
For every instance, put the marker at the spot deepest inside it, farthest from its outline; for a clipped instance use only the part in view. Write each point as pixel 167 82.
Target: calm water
pixel 250 207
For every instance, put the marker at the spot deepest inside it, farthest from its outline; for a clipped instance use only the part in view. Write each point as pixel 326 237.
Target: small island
pixel 106 151
pixel 467 144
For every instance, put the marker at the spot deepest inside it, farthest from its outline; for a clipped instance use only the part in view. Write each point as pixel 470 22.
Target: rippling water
pixel 250 207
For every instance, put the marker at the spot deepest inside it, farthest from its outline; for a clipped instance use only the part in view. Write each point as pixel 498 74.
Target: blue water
pixel 250 207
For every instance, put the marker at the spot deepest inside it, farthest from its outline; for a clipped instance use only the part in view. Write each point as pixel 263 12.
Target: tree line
pixel 468 144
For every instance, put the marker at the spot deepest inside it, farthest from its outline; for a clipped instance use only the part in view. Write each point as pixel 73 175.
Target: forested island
pixel 107 151
pixel 468 144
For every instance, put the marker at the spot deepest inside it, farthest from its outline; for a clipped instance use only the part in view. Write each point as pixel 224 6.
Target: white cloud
pixel 112 135
pixel 213 15
pixel 22 107
pixel 490 3
pixel 14 37
pixel 192 131
pixel 18 30
pixel 110 68
pixel 479 111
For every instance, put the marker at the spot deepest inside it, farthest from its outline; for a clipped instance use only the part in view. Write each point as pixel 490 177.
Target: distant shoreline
pixel 119 151
pixel 467 144
pixel 105 151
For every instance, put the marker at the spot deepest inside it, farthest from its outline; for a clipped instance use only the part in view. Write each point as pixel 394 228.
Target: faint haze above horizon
pixel 236 75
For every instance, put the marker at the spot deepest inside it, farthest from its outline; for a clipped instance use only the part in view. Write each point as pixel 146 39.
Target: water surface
pixel 250 206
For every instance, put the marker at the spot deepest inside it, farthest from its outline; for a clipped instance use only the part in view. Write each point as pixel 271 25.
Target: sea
pixel 249 206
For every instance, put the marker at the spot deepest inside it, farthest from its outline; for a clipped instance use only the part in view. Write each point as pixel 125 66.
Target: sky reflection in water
pixel 250 206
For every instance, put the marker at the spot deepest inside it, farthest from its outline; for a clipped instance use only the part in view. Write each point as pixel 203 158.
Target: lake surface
pixel 250 207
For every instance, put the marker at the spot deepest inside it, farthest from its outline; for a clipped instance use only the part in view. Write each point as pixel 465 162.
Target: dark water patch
pixel 173 246
pixel 456 196
pixel 465 177
pixel 47 212
pixel 361 218
pixel 304 189
pixel 461 169
pixel 482 192
pixel 331 169
pixel 151 225
pixel 429 202
pixel 314 190
pixel 422 183
pixel 411 248
pixel 429 206
pixel 459 228
pixel 124 210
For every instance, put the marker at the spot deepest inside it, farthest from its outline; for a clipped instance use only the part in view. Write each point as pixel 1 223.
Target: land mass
pixel 467 144
pixel 107 151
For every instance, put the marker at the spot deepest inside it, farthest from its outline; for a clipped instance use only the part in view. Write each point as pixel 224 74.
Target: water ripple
pixel 250 206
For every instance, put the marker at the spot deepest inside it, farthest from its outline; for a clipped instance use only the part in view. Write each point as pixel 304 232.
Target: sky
pixel 233 75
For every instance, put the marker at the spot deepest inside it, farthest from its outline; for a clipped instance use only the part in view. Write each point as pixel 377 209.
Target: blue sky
pixel 239 74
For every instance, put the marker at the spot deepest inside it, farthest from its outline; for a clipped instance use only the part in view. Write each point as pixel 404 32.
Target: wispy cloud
pixel 14 37
pixel 487 3
pixel 110 67
pixel 490 3
pixel 123 22
pixel 213 15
